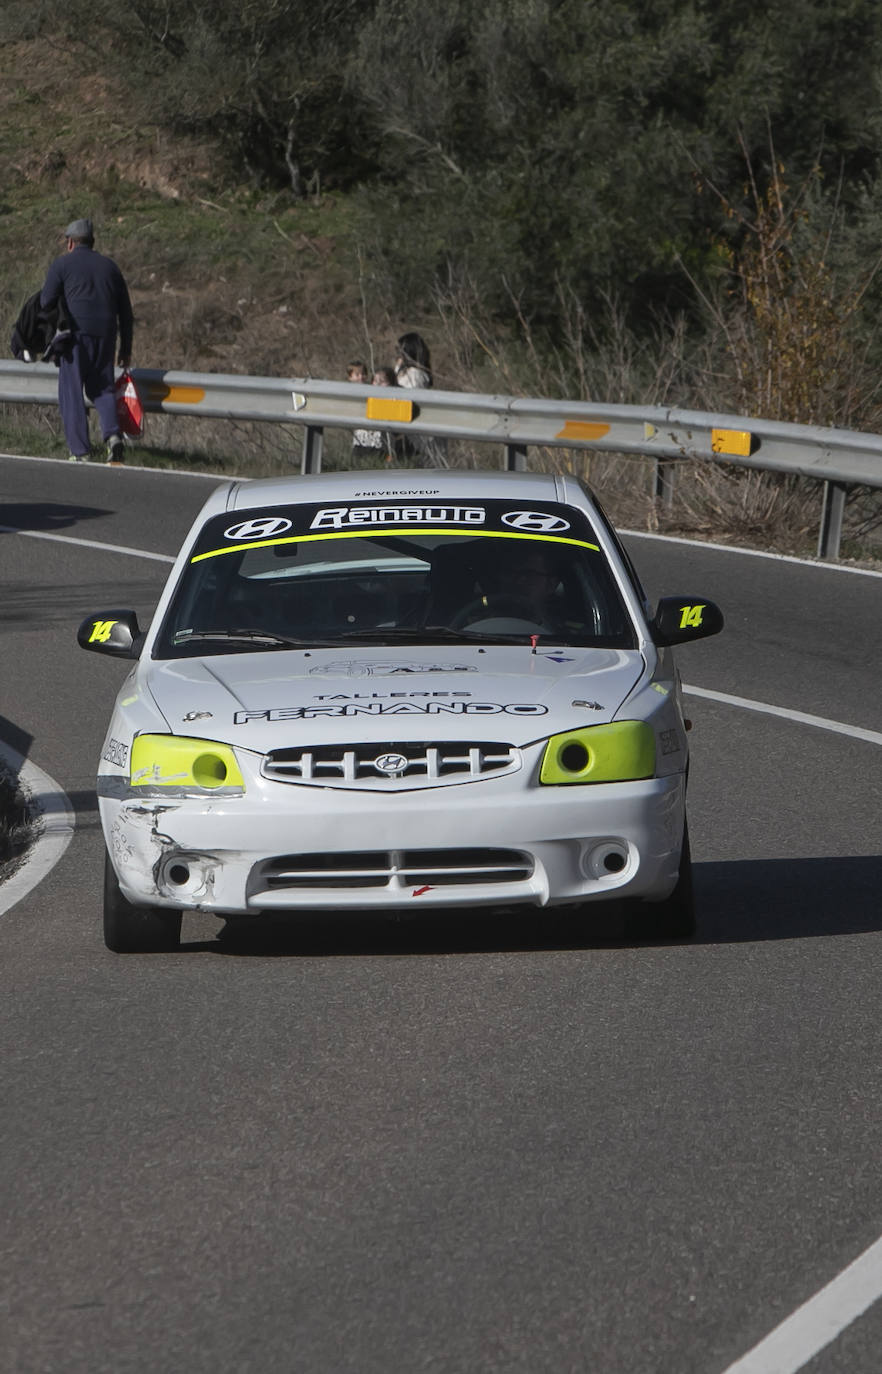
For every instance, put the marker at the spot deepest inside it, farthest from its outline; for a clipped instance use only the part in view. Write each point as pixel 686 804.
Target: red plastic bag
pixel 129 410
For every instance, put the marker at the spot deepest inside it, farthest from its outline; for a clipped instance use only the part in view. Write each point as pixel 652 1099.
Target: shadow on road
pixel 39 604
pixel 44 515
pixel 85 807
pixel 788 899
pixel 18 740
pixel 745 901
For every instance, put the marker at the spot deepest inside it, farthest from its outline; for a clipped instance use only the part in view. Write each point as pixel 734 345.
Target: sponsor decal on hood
pixel 386 668
pixel 245 697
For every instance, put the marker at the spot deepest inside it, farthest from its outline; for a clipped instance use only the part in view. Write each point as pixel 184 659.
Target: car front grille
pixel 395 765
pixel 397 869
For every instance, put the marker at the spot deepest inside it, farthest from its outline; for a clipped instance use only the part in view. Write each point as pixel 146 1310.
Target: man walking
pixel 97 299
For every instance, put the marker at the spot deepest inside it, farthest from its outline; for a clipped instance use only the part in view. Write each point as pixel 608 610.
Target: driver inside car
pixel 532 582
pixel 519 583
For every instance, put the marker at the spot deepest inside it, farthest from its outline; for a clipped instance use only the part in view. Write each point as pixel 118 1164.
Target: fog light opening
pixel 607 860
pixel 574 757
pixel 185 877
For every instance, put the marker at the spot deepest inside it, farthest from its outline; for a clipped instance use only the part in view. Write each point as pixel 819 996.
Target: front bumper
pixel 285 847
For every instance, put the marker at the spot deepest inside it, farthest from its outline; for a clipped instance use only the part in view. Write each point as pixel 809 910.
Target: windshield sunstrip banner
pixel 258 528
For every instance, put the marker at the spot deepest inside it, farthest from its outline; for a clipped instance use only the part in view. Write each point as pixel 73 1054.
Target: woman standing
pixel 413 368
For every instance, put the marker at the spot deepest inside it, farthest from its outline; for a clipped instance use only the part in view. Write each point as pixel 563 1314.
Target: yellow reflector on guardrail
pixel 157 392
pixel 731 441
pixel 582 429
pixel 378 408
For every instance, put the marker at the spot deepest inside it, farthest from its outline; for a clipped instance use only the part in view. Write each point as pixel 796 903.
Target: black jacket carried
pixel 41 334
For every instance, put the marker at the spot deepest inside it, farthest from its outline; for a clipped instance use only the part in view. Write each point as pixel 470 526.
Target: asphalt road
pixel 479 1145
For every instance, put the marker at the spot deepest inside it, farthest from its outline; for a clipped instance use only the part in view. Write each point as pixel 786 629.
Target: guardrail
pixel 837 457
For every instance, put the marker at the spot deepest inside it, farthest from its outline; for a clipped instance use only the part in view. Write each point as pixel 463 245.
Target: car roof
pixel 420 484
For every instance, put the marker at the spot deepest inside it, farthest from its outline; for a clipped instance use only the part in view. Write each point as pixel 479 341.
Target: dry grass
pixel 16 829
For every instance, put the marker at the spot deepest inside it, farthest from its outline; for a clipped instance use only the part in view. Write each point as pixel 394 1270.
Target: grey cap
pixel 79 229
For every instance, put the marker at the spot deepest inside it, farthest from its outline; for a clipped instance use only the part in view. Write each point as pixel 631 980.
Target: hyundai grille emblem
pixel 390 763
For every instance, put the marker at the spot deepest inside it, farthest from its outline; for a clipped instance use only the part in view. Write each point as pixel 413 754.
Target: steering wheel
pixel 494 606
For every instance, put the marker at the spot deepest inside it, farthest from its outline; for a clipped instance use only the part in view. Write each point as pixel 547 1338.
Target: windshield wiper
pixel 429 634
pixel 264 638
pixel 404 634
pixel 441 634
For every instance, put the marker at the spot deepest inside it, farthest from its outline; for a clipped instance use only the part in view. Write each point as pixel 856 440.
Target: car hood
pixel 260 701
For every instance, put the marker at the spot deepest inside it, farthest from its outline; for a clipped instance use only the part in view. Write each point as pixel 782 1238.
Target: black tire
pixel 132 929
pixel 674 918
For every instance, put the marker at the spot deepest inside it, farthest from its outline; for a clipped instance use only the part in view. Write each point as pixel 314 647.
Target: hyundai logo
pixel 266 527
pixel 390 763
pixel 535 522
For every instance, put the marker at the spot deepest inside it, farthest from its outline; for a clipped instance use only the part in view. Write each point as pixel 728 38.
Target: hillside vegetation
pixel 668 202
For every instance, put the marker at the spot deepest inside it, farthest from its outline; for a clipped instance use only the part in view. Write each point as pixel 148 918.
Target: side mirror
pixel 680 619
pixel 111 632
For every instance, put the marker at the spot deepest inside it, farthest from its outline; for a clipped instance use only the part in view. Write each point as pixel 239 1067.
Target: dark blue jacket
pixel 95 292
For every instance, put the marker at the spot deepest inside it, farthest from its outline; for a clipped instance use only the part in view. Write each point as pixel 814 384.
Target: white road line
pixel 819 1321
pixel 753 553
pixel 132 467
pixel 801 718
pixel 53 816
pixel 86 543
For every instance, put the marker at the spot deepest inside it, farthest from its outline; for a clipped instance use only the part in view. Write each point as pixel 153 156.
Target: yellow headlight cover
pixel 621 752
pixel 174 761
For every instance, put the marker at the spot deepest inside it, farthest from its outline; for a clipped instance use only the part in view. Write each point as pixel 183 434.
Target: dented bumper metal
pixel 295 847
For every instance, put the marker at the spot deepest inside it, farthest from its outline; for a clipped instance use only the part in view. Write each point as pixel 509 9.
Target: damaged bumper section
pixel 333 850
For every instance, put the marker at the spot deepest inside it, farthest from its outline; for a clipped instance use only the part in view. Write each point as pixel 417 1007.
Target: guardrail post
pixel 832 512
pixel 311 460
pixel 664 482
pixel 516 457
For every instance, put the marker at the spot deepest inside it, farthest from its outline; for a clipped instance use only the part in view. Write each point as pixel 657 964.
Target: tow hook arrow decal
pixel 418 891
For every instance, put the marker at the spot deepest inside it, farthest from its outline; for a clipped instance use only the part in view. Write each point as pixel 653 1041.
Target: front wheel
pixel 132 929
pixel 674 918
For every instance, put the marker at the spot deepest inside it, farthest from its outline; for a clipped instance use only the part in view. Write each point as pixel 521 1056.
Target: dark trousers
pixel 89 368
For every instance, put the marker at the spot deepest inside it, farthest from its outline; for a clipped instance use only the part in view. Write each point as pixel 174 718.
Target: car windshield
pixel 301 576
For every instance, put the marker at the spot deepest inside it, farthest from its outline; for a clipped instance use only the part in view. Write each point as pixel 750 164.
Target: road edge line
pixel 803 562
pixel 817 1322
pixel 764 708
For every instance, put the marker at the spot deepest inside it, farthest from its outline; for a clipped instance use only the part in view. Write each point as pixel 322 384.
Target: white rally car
pixel 396 691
